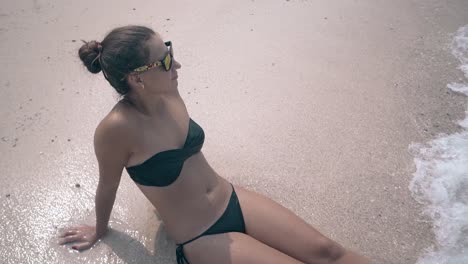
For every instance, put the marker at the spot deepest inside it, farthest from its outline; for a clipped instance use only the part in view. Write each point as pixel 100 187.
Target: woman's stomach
pixel 193 202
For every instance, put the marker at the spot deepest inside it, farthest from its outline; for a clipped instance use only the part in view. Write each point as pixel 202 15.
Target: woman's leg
pixel 279 228
pixel 233 248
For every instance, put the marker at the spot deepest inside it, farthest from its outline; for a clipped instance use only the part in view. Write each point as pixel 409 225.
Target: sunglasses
pixel 166 63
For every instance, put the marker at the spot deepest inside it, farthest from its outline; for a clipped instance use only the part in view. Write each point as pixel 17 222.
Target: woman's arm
pixel 111 146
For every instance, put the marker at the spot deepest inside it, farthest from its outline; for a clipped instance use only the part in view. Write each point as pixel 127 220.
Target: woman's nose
pixel 177 65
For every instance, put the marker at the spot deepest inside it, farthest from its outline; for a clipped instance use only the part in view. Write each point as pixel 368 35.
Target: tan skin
pixel 154 118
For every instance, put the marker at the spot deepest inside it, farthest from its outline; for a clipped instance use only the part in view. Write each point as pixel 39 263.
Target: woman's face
pixel 157 79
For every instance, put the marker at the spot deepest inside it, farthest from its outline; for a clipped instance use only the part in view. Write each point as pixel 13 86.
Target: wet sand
pixel 312 103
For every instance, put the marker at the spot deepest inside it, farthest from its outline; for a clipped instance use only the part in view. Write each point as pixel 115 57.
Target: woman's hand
pixel 83 237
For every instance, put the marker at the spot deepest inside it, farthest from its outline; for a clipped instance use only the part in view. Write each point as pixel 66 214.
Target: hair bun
pixel 89 54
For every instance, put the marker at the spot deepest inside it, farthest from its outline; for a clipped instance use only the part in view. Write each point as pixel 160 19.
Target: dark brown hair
pixel 121 51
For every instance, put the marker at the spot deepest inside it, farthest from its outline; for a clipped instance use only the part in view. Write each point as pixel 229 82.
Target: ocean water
pixel 441 178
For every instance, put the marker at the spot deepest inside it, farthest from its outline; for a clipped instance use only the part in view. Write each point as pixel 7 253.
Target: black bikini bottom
pixel 232 220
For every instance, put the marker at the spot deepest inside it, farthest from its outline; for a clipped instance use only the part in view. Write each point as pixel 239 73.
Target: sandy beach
pixel 312 103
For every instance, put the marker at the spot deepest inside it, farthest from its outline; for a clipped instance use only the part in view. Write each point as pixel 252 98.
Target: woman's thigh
pixel 278 227
pixel 233 248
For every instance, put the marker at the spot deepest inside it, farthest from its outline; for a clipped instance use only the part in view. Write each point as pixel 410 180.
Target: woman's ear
pixel 134 80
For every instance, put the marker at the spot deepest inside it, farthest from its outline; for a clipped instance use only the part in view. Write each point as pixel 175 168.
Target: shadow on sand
pixel 130 250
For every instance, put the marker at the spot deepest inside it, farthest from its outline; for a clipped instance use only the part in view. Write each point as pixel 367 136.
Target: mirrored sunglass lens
pixel 167 62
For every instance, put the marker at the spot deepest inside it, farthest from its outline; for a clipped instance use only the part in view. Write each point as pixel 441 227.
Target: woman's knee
pixel 325 251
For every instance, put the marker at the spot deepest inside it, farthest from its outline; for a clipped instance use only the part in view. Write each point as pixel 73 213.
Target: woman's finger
pixel 69 233
pixel 69 239
pixel 81 246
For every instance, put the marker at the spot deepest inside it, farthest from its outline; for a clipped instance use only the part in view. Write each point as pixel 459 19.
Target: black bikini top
pixel 164 167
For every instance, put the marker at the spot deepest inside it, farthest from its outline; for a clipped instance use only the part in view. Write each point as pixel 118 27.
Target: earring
pixel 143 86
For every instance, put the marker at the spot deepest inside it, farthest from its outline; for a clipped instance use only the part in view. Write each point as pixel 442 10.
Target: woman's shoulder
pixel 113 142
pixel 117 126
pixel 117 119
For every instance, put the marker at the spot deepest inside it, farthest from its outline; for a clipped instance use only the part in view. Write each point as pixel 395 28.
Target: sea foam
pixel 441 179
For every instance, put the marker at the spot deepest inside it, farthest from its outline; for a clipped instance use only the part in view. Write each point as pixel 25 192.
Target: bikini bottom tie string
pixel 180 255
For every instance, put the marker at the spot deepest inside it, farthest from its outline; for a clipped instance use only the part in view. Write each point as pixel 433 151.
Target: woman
pixel 150 133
